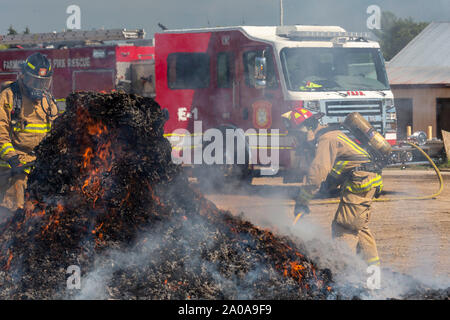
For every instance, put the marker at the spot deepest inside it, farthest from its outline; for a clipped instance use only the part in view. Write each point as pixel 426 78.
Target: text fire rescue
pixel 56 63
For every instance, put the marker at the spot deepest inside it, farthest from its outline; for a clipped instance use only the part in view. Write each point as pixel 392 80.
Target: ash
pixel 105 196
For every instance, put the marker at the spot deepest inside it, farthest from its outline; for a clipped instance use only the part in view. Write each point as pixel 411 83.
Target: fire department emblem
pixel 262 114
pixel 42 72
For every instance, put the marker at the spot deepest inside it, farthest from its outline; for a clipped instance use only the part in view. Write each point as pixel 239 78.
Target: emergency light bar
pixel 292 33
pixel 74 35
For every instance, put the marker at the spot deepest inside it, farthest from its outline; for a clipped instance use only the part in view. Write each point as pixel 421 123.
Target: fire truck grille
pixel 371 110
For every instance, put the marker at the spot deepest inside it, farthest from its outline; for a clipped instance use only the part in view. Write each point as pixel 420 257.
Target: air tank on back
pixel 367 135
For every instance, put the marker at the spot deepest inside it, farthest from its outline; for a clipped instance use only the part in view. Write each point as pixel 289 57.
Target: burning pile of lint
pixel 105 198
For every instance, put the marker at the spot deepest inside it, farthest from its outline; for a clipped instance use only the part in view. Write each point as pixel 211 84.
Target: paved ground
pixel 412 236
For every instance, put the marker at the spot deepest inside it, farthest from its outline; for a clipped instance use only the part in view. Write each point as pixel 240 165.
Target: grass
pixel 445 165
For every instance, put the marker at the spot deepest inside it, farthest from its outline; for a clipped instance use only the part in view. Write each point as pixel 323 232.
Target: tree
pixel 396 33
pixel 11 30
pixel 27 30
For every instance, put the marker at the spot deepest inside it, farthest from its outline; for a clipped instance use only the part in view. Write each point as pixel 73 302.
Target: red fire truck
pixel 246 77
pixel 83 60
pixel 228 78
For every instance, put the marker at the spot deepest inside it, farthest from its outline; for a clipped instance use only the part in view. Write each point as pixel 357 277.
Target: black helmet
pixel 37 75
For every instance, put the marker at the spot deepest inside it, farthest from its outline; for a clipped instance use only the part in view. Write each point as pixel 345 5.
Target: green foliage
pixel 396 33
pixel 11 30
pixel 445 165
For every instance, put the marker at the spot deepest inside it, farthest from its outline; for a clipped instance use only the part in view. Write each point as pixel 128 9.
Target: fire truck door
pixel 257 103
pixel 224 96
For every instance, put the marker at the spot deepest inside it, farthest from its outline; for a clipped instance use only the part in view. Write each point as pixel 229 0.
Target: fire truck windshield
pixel 333 69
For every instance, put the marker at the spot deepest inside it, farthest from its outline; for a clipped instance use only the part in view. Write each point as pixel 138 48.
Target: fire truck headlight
pixel 391 113
pixel 389 103
pixel 391 116
pixel 313 105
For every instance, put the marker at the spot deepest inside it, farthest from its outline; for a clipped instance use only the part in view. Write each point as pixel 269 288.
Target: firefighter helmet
pixel 37 75
pixel 299 117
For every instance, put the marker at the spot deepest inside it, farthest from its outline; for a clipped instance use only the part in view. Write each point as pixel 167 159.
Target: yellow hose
pixel 438 173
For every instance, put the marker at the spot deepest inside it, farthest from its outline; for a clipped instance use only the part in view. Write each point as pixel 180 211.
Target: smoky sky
pixel 50 15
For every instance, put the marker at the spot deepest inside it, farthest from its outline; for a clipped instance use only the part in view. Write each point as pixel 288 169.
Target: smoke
pixel 420 248
pixel 111 265
pixel 265 211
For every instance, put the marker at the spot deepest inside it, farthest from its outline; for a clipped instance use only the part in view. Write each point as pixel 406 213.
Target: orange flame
pixel 54 219
pixel 8 263
pixel 87 156
pixel 97 161
pixel 97 128
pixel 96 231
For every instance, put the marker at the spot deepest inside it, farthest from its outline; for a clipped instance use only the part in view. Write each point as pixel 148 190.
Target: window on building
pixel 249 68
pixel 188 70
pixel 404 110
pixel 224 69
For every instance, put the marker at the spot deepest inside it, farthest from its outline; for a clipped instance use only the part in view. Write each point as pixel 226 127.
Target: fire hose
pixel 432 196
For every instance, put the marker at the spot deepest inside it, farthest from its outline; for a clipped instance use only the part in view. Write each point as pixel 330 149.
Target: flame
pixel 96 128
pixel 96 231
pixel 33 209
pixel 8 263
pixel 54 219
pixel 59 208
pixel 154 197
pixel 126 198
pixel 87 156
pixel 295 270
pixel 98 156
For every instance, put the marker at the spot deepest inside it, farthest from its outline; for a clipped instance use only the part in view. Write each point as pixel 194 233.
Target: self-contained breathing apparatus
pixel 371 140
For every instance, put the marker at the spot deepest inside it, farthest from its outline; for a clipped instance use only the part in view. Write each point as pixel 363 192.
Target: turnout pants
pixel 12 191
pixel 351 220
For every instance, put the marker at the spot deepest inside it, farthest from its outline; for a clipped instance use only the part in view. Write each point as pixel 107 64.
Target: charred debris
pixel 104 196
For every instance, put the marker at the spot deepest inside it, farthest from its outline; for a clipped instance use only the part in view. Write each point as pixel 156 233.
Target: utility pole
pixel 281 13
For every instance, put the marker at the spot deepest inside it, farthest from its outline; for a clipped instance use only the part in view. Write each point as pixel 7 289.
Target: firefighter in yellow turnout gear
pixel 26 113
pixel 341 157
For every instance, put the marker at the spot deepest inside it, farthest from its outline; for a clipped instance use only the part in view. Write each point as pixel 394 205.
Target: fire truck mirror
pixel 260 72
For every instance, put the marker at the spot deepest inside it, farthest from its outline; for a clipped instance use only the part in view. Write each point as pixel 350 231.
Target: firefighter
pixel 27 110
pixel 338 156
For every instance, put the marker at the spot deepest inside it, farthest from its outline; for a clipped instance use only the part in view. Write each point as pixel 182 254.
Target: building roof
pixel 424 60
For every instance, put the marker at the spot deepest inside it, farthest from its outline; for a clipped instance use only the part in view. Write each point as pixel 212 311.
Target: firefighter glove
pixel 304 196
pixel 302 209
pixel 17 167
